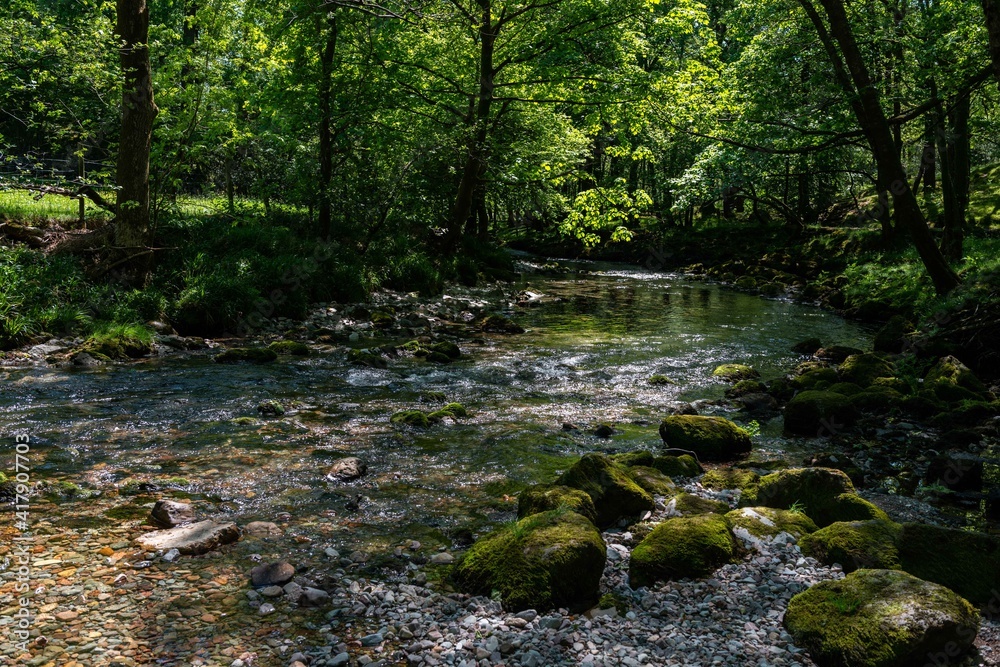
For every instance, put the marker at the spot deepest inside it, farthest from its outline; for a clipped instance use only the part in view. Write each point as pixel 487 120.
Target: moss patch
pixel 684 465
pixel 683 547
pixel 826 495
pixel 818 413
pixel 735 372
pixel 292 347
pixel 730 478
pixel 411 418
pixel 863 369
pixel 855 544
pixel 553 559
pixel 689 504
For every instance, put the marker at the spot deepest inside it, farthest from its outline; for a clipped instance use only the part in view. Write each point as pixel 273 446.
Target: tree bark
pixel 324 223
pixel 955 171
pixel 874 123
pixel 474 167
pixel 132 230
pixel 991 8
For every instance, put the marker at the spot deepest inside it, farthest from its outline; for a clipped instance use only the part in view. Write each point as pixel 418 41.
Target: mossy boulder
pixel 744 387
pixel 863 369
pixel 640 458
pixel 880 618
pixel 711 438
pixel 500 324
pixel 817 378
pixel 877 399
pixel 383 320
pixel 807 346
pixel 609 486
pixel 818 413
pixel 546 497
pixel 684 465
pixel 951 371
pixel 855 544
pixel 119 343
pixel 682 547
pixel 652 480
pixel 898 384
pixel 892 336
pixel 544 561
pixel 966 562
pixel 366 358
pixel 411 418
pixel 253 355
pixel 781 388
pixel 292 347
pixel 660 381
pixel 826 495
pixel 845 389
pixel 452 410
pixel 735 372
pixel 447 348
pixel 689 504
pixel 769 521
pixel 837 353
pixel 730 478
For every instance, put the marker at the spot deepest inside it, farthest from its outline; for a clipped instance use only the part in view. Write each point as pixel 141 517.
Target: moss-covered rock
pixel 660 381
pixel 817 378
pixel 366 358
pixel 863 369
pixel 689 504
pixel 781 388
pixel 837 353
pixel 711 438
pixel 744 387
pixel 500 324
pixel 877 399
pixel 892 337
pixel 452 410
pixel 818 413
pixel 447 348
pixel 292 347
pixel 271 408
pixel 845 389
pixel 684 465
pixel 855 544
pixel 546 497
pixel 949 370
pixel 682 547
pixel 652 480
pixel 640 458
pixel 544 561
pixel 826 495
pixel 735 372
pixel 897 384
pixel 411 418
pixel 730 478
pixel 609 485
pixel 253 355
pixel 383 320
pixel 880 618
pixel 807 346
pixel 966 562
pixel 769 521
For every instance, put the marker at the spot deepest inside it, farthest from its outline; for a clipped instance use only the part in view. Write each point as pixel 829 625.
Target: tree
pixel 132 229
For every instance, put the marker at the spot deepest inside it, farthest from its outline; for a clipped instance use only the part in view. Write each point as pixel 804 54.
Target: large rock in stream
pixel 711 438
pixel 548 560
pixel 881 618
pixel 614 493
pixel 194 539
pixel 683 547
pixel 825 495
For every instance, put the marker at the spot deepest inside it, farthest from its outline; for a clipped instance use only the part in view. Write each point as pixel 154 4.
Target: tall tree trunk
pixel 132 228
pixel 879 135
pixel 991 8
pixel 955 169
pixel 475 159
pixel 324 223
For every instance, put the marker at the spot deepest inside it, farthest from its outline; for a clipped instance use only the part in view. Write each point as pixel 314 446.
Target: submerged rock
pixel 544 561
pixel 411 418
pixel 263 529
pixel 194 538
pixel 682 547
pixel 880 618
pixel 711 438
pixel 500 324
pixel 609 486
pixel 272 574
pixel 253 355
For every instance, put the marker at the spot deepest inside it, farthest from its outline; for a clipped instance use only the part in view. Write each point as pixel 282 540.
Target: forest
pixel 516 333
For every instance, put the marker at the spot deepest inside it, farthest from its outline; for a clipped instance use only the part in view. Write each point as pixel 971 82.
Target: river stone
pixel 170 513
pixel 952 381
pixel 544 561
pixel 735 372
pixel 347 469
pixel 711 438
pixel 826 495
pixel 609 486
pixel 272 574
pixel 769 521
pixel 863 369
pixel 313 597
pixel 682 547
pixel 818 414
pixel 262 529
pixel 881 618
pixel 193 538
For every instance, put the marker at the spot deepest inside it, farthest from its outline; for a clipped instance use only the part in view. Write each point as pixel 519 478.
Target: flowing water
pixel 591 345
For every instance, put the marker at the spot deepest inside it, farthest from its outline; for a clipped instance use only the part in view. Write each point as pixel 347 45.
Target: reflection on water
pixel 592 343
